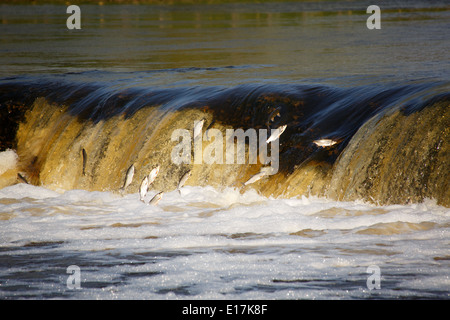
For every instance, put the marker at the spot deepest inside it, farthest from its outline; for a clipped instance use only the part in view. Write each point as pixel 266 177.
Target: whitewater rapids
pixel 217 244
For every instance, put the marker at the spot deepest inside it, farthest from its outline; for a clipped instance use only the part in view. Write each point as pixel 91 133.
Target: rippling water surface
pixel 269 41
pixel 215 244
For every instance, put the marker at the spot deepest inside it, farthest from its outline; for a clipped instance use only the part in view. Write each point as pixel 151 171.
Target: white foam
pixel 8 160
pixel 22 190
pixel 231 243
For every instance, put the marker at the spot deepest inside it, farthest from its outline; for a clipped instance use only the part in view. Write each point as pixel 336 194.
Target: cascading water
pixel 119 127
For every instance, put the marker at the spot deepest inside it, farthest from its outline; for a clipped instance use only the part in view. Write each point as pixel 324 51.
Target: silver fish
pixel 255 178
pixel 156 198
pixel 264 171
pixel 274 136
pixel 21 178
pixel 183 180
pixel 129 177
pixel 325 142
pixel 209 127
pixel 143 188
pixel 152 175
pixel 275 113
pixel 198 125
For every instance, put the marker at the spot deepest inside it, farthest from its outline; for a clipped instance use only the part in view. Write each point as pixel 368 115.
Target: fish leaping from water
pixel 264 171
pixel 156 198
pixel 84 155
pixel 325 142
pixel 129 178
pixel 275 113
pixel 209 127
pixel 183 180
pixel 21 178
pixel 198 126
pixel 143 188
pixel 275 135
pixel 152 175
pixel 255 178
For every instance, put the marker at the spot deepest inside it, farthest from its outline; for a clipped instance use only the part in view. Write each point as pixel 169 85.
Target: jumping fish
pixel 264 171
pixel 143 188
pixel 21 178
pixel 84 154
pixel 156 198
pixel 255 178
pixel 198 125
pixel 274 136
pixel 325 142
pixel 129 177
pixel 183 180
pixel 152 175
pixel 275 113
pixel 209 127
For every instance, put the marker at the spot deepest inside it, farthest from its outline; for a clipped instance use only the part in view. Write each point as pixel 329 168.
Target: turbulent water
pixel 215 244
pixel 79 107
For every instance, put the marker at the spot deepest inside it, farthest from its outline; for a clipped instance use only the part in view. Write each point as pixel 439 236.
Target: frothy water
pixel 118 87
pixel 217 244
